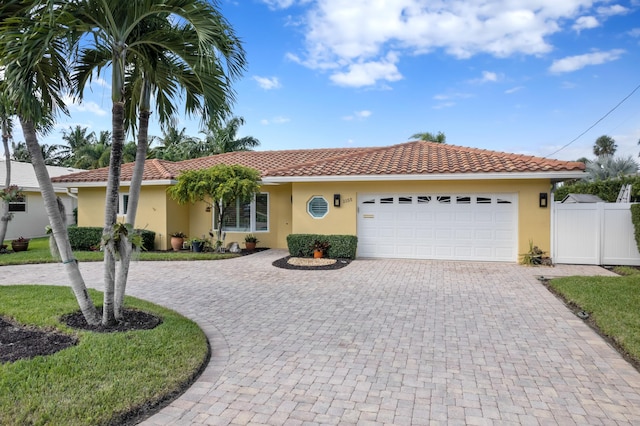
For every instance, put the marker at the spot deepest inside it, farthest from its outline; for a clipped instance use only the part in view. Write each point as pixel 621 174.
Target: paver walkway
pixel 381 342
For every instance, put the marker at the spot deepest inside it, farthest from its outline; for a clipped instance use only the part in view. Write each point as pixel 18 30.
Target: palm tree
pixel 76 138
pixel 6 126
pixel 430 137
pixel 158 46
pixel 32 54
pixel 606 167
pixel 605 145
pixel 172 143
pixel 219 140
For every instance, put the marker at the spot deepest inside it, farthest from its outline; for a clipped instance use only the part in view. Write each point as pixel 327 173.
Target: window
pixel 123 204
pixel 386 200
pixel 463 200
pixel 246 217
pixel 444 199
pixel 405 200
pixel 19 205
pixel 484 200
pixel 423 199
pixel 317 207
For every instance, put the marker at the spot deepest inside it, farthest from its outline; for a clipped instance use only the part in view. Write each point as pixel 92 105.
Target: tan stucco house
pixel 412 200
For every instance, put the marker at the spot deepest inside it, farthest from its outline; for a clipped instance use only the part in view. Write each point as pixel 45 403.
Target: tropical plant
pixel 33 55
pixel 250 238
pixel 604 146
pixel 430 137
pixel 160 47
pixel 608 167
pixel 221 185
pixel 220 139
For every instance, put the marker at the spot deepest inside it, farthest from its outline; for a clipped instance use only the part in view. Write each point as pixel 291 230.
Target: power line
pixel 596 123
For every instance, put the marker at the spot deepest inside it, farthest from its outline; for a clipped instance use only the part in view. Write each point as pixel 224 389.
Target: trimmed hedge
pixel 89 237
pixel 342 246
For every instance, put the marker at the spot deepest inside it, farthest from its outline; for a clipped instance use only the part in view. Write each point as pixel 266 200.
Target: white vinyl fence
pixel 593 234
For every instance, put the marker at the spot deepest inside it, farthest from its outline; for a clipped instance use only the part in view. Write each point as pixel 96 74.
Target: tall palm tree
pixel 143 39
pixel 6 127
pixel 605 145
pixel 221 139
pixel 76 138
pixel 32 54
pixel 430 137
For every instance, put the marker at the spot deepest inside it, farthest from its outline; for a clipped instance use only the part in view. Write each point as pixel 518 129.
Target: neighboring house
pixel 413 200
pixel 29 215
pixel 582 198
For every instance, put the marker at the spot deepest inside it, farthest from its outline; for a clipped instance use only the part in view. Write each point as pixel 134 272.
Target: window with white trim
pixel 317 207
pixel 19 205
pixel 123 203
pixel 246 217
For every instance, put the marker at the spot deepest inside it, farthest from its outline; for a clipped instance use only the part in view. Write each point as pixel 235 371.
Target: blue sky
pixel 524 76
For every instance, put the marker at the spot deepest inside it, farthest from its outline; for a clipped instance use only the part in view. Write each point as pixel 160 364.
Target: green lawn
pixel 102 378
pixel 39 253
pixel 613 303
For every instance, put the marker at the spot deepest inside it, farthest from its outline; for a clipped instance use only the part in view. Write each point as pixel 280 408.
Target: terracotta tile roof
pixel 411 158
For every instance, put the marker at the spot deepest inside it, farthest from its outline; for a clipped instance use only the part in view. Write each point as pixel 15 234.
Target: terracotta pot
pixel 317 254
pixel 176 243
pixel 250 246
pixel 20 245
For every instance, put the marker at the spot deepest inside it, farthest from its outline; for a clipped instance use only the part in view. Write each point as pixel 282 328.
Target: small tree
pixel 220 185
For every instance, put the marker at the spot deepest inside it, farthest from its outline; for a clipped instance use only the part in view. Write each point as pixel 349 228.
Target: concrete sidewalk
pixel 381 342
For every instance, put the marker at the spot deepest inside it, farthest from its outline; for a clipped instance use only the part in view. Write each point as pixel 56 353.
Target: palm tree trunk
pixel 110 213
pixel 132 210
pixel 5 215
pixel 58 226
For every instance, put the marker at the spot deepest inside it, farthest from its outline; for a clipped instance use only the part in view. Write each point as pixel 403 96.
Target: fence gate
pixel 593 234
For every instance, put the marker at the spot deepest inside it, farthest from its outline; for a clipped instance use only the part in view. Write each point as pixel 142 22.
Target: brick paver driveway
pixel 382 342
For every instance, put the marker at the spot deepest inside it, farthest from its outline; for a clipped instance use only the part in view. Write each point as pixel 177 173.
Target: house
pixel 29 215
pixel 412 200
pixel 582 198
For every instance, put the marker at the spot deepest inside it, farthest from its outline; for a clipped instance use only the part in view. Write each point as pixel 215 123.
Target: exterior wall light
pixel 336 200
pixel 543 200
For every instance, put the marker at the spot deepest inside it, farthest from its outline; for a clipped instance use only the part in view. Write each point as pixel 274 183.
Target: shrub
pixel 89 237
pixel 635 219
pixel 341 246
pixel 608 189
pixel 85 237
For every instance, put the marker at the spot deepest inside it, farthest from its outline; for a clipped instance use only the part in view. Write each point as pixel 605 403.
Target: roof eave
pixel 554 176
pixel 99 184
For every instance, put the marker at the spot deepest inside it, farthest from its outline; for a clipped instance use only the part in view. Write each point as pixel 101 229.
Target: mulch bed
pixel 25 342
pixel 283 263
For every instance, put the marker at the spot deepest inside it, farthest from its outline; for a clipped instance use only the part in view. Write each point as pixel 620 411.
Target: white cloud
pixel 368 73
pixel 268 83
pixel 614 9
pixel 574 63
pixel 364 114
pixel 634 32
pixel 585 23
pixel 85 106
pixel 513 90
pixel 487 77
pixel 352 38
pixel 275 120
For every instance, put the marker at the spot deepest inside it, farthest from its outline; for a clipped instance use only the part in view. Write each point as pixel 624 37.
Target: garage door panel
pixel 438 226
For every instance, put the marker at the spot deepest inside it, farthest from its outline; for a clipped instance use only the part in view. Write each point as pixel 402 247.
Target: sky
pixel 523 76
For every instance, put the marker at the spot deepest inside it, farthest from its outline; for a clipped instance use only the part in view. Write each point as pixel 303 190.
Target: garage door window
pixel 318 207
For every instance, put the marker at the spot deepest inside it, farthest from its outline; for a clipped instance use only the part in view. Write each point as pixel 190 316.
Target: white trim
pixel 439 176
pixel 103 184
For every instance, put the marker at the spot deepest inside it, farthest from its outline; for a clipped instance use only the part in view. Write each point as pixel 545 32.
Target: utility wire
pixel 596 123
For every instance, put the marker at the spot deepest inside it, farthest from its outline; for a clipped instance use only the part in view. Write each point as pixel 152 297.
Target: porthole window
pixel 318 207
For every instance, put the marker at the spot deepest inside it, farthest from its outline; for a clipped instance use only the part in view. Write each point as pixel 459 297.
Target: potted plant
pixel 197 244
pixel 320 248
pixel 20 244
pixel 177 240
pixel 250 242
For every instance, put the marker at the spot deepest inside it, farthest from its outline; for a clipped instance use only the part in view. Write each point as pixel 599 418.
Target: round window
pixel 317 207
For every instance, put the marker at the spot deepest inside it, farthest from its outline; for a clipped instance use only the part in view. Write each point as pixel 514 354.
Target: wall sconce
pixel 208 209
pixel 336 200
pixel 543 200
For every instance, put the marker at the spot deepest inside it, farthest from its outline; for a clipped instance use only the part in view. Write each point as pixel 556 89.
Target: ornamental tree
pixel 220 185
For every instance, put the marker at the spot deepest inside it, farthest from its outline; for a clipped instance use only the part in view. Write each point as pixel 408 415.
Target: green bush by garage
pixel 341 246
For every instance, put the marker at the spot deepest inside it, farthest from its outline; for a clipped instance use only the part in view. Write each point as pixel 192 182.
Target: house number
pixel 347 200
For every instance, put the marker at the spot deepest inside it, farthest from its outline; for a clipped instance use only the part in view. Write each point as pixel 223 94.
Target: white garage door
pixel 438 226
